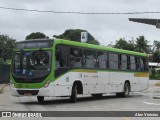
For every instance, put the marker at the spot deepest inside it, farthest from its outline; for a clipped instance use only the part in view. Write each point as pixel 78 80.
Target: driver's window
pixel 57 59
pixel 61 57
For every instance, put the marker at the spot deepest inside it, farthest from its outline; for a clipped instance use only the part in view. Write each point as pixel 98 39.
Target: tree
pixel 156 51
pixel 142 44
pixel 123 44
pixel 156 56
pixel 75 35
pixel 6 47
pixel 36 35
pixel 156 45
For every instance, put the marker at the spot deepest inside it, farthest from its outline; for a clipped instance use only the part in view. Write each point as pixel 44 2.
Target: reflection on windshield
pixel 32 63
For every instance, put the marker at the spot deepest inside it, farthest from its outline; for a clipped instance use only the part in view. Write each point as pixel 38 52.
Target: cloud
pixel 105 28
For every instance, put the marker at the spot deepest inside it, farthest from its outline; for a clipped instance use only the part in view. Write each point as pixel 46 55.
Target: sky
pixel 105 28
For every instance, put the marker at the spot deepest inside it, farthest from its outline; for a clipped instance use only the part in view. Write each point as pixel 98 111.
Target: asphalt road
pixel 138 101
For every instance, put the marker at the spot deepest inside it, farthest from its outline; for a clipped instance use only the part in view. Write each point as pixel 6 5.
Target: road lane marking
pixel 125 118
pixel 149 103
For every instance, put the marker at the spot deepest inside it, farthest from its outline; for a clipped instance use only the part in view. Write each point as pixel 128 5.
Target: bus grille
pixel 32 92
pixel 29 80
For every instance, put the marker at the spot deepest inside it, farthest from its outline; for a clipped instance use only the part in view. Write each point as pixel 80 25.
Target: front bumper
pixel 49 91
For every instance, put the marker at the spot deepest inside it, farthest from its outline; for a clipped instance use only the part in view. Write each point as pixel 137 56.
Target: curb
pixel 1 89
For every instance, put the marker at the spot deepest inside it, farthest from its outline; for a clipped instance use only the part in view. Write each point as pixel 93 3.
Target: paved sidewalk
pixel 152 84
pixel 1 85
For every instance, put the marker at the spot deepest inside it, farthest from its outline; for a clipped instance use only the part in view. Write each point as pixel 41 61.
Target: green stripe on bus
pixel 95 71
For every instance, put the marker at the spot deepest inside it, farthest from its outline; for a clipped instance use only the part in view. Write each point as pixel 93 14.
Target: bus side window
pixel 113 60
pixel 61 56
pixel 64 60
pixel 133 63
pixel 120 61
pixel 145 61
pixel 102 61
pixel 142 64
pixel 61 59
pixel 123 62
pixel 75 57
pixel 128 63
pixel 107 59
pixel 137 62
pixel 90 59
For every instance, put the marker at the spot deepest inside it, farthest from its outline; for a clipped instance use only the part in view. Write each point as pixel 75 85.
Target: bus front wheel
pixel 125 92
pixel 40 99
pixel 73 97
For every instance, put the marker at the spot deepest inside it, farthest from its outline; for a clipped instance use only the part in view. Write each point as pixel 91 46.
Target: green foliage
pixel 157 84
pixel 8 61
pixel 156 56
pixel 156 45
pixel 155 77
pixel 36 35
pixel 75 35
pixel 1 61
pixel 138 45
pixel 6 47
pixel 142 44
pixel 123 44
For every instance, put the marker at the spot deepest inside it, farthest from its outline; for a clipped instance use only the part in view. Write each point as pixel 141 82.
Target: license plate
pixel 27 94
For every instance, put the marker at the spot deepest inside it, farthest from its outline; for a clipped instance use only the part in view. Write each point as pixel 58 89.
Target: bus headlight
pixel 11 84
pixel 47 84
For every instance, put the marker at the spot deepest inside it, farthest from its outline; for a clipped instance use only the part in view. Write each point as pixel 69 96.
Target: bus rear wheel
pixel 97 95
pixel 40 99
pixel 73 98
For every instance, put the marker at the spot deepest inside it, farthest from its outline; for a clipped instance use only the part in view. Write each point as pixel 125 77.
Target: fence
pixel 4 73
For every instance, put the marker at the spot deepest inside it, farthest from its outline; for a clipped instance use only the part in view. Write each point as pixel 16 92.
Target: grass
pixel 0 91
pixel 157 84
pixel 155 77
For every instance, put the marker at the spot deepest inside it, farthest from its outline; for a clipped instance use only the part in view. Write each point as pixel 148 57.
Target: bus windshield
pixel 32 63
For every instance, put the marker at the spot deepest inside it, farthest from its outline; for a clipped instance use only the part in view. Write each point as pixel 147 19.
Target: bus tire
pixel 40 99
pixel 119 94
pixel 126 90
pixel 97 95
pixel 73 97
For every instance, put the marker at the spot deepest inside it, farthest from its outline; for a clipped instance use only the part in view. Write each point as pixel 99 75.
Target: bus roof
pixel 99 47
pixel 33 40
pixel 87 45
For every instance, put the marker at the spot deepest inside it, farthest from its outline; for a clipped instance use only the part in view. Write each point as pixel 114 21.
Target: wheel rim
pixel 126 89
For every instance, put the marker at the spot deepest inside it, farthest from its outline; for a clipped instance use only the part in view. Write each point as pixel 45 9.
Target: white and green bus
pixel 63 68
